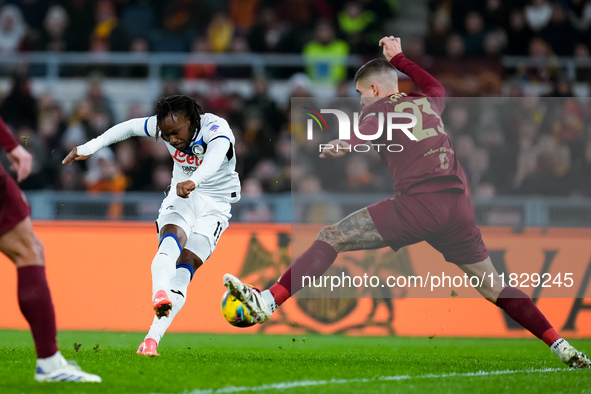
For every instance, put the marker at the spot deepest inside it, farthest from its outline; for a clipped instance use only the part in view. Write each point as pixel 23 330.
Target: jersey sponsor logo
pixel 181 157
pixel 214 128
pixel 189 170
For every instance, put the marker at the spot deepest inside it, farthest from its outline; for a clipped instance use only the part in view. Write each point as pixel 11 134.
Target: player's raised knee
pixel 188 257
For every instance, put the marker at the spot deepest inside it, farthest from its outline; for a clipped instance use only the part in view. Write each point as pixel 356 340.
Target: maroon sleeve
pixel 429 85
pixel 7 140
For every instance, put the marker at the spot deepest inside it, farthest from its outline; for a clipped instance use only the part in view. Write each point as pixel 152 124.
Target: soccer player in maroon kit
pixel 431 203
pixel 20 244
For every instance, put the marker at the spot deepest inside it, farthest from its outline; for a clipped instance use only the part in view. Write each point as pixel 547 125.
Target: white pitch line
pixel 307 383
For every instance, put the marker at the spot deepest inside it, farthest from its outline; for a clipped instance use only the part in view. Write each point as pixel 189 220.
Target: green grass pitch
pixel 210 363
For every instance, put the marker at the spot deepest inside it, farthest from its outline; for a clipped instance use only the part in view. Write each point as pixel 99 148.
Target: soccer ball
pixel 235 312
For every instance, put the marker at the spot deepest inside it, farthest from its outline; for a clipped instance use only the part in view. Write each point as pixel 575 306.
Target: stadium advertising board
pixel 91 265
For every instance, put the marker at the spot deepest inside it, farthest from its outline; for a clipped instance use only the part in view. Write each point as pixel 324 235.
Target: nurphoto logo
pixel 389 119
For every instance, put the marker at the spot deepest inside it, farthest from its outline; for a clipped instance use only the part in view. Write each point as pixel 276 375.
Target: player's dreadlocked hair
pixel 374 66
pixel 173 105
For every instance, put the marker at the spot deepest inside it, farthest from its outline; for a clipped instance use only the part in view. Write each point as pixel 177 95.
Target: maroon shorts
pixel 13 207
pixel 444 219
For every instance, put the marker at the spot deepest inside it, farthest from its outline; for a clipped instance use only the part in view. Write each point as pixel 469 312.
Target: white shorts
pixel 202 218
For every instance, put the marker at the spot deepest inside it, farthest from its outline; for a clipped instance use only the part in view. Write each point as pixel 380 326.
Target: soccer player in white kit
pixel 197 209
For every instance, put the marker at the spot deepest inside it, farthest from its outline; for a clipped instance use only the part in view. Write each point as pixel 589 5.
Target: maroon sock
pixel 34 300
pixel 313 262
pixel 521 309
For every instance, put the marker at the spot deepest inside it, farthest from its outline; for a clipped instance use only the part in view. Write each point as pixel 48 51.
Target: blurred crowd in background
pixel 531 146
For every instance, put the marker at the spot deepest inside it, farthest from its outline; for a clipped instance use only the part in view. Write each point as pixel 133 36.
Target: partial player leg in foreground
pixel 358 232
pixel 20 244
pixel 26 251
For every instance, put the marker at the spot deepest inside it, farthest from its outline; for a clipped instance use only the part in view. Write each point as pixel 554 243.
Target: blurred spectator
pixel 220 32
pixel 50 122
pixel 81 26
pixel 559 33
pixel 494 14
pixel 315 212
pixel 19 107
pixel 474 37
pixel 455 48
pixel 538 14
pixel 358 26
pixel 13 30
pixel 439 32
pixel 579 14
pixel 69 178
pixel 492 46
pixel 478 168
pixel 253 209
pixel 414 49
pixel 581 53
pixel 138 19
pixel 243 14
pixel 79 128
pixel 127 159
pixel 261 100
pixel 53 36
pixel 137 47
pixel 561 88
pixel 34 12
pixel 100 104
pixel 518 33
pixel 107 29
pixel 545 59
pixel 326 56
pixel 191 71
pixel 359 177
pixel 173 36
pixel 266 33
pixel 104 175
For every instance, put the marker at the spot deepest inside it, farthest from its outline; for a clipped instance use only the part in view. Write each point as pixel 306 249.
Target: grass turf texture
pixel 191 362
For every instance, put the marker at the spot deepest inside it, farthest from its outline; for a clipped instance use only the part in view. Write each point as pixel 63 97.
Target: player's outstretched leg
pixel 163 270
pixel 178 293
pixel 357 231
pixel 261 305
pixel 521 308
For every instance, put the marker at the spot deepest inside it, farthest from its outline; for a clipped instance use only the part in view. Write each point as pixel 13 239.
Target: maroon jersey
pixel 7 140
pixel 13 207
pixel 428 164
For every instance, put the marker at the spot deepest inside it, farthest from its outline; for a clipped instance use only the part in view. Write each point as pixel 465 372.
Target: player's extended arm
pixel 212 160
pixel 393 53
pixel 119 132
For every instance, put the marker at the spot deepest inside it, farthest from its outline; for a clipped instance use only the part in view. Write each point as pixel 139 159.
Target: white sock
pixel 178 285
pixel 269 299
pixel 164 264
pixel 51 363
pixel 560 342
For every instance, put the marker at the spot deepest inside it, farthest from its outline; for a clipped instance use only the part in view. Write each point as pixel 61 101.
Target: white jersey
pixel 223 183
